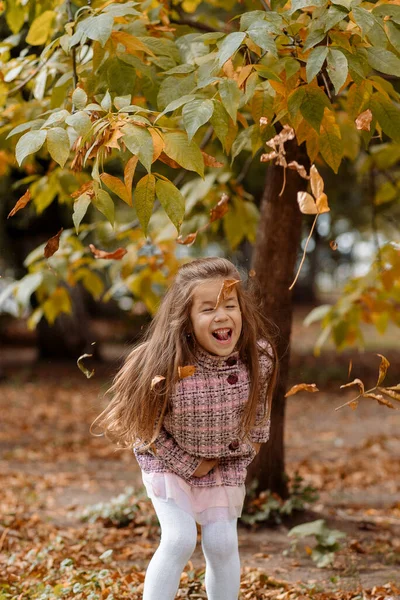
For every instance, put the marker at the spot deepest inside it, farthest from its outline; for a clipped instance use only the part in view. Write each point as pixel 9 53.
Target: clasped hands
pixel 207 465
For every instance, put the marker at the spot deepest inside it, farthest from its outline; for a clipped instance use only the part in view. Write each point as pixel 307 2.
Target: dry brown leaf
pixel 379 398
pixel 187 240
pixel 53 244
pixel 322 203
pixel 129 173
pixel 383 367
pixel 355 382
pixel 263 121
pixel 394 387
pixel 306 203
pixel 350 368
pixel 333 245
pixel 390 393
pixel 21 203
pixel 301 387
pixel 294 165
pixel 316 181
pixel 252 273
pixel 186 371
pixel 113 141
pixel 116 254
pixel 156 380
pixel 210 161
pixel 220 209
pixel 225 290
pixel 363 121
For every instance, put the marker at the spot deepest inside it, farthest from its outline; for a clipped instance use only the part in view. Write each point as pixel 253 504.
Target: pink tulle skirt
pixel 205 504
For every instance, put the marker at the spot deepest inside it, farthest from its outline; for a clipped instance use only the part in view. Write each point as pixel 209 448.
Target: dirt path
pixel 52 468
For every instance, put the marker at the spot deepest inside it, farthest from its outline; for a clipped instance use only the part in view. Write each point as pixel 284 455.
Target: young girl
pixel 194 401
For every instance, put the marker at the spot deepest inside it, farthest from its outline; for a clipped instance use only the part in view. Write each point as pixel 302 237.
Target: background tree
pixel 120 94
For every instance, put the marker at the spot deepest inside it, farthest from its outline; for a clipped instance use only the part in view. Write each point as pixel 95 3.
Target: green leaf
pixel 80 207
pixel 80 121
pixel 315 61
pixel 220 121
pixel 103 202
pixel 29 143
pixel 230 96
pixel 58 145
pixel 139 141
pixel 229 46
pixel 145 193
pixel 311 101
pixel 333 16
pixel 384 61
pixel 260 33
pixel 387 114
pixel 185 153
pixel 174 88
pixel 393 33
pixel 242 142
pixel 172 201
pixel 26 286
pixel 195 114
pixel 314 37
pixel 299 4
pixel 176 104
pixel 79 98
pixel 36 123
pixel 40 29
pixel 95 28
pixel 364 19
pixel 337 68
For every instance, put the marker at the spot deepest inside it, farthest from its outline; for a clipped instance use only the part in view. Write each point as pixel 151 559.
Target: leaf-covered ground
pixel 52 469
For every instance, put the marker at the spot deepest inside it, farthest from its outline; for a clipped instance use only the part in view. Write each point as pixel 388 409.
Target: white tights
pixel 178 541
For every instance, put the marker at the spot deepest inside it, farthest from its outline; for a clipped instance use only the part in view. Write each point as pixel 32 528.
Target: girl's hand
pixel 205 467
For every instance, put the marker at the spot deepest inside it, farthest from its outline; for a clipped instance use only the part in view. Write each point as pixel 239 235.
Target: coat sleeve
pixel 178 460
pixel 260 431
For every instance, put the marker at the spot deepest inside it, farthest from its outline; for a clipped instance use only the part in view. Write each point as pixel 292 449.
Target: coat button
pixel 232 379
pixel 231 361
pixel 234 445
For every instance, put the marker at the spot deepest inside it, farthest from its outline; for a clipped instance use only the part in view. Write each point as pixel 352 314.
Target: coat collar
pixel 213 362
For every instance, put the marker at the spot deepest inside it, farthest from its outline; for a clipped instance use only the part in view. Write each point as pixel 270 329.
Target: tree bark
pixel 274 261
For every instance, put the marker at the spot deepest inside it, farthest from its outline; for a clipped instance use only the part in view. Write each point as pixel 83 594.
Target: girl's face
pixel 216 329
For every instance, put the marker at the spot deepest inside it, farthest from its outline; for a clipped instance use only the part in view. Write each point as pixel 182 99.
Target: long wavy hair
pixel 135 413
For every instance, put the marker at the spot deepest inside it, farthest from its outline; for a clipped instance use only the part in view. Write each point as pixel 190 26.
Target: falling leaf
pixel 306 203
pixel 53 244
pixel 263 121
pixel 350 368
pixel 220 209
pixel 187 240
pixel 211 161
pixel 116 254
pixel 21 203
pixel 355 382
pixel 363 121
pixel 383 367
pixel 225 290
pixel 333 245
pixel 353 404
pixel 187 371
pixel 156 380
pixel 252 273
pixel 299 168
pixel 302 387
pixel 82 367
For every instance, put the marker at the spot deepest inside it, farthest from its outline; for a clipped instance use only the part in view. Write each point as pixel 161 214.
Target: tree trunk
pixel 274 261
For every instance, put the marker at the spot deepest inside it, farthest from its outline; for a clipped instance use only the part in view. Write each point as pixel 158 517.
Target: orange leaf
pixel 169 161
pixel 187 371
pixel 390 393
pixel 301 387
pixel 252 273
pixel 333 245
pixel 243 75
pixel 132 44
pixel 322 203
pixel 363 121
pixel 86 187
pixel 350 367
pixel 129 174
pixel 380 399
pixel 116 254
pixel 353 405
pixel 382 368
pixel 220 209
pixel 53 244
pixel 225 290
pixel 21 203
pixel 158 143
pixel 317 183
pixel 113 141
pixel 117 186
pixel 188 240
pixel 211 161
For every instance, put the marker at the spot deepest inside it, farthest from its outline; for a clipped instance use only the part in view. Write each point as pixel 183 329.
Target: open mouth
pixel 223 334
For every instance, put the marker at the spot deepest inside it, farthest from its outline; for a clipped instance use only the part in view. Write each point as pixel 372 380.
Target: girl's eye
pixel 231 306
pixel 207 310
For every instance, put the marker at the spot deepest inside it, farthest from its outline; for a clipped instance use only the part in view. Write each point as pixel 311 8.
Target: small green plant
pixel 323 553
pixel 267 506
pixel 122 510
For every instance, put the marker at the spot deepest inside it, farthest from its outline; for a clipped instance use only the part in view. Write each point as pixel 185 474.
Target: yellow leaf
pixel 225 290
pixel 132 44
pixel 316 181
pixel 117 186
pixel 156 380
pixel 129 173
pixel 322 203
pixel 158 143
pixel 187 371
pixel 355 382
pixel 306 203
pixel 40 29
pixel 302 387
pixel 59 302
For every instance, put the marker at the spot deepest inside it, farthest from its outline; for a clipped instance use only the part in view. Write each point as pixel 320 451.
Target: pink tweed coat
pixel 203 422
